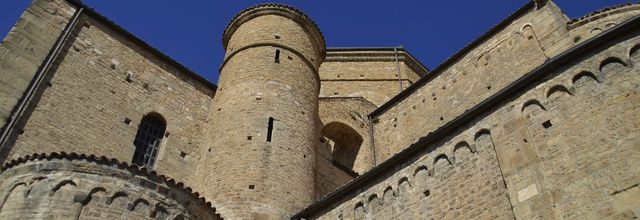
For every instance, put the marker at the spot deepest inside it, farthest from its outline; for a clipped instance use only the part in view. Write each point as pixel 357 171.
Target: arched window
pixel 148 139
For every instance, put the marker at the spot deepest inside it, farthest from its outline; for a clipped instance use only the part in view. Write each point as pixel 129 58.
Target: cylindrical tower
pixel 260 157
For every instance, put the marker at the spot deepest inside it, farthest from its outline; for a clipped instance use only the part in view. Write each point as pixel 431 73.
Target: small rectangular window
pixel 270 129
pixel 277 56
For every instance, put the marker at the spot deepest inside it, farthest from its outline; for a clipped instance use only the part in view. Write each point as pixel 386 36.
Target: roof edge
pixel 136 40
pixel 361 54
pixel 488 104
pixel 598 14
pixel 451 60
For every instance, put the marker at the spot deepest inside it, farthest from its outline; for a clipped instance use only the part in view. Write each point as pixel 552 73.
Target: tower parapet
pixel 260 157
pixel 278 25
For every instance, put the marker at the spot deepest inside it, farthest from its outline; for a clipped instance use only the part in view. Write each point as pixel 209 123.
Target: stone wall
pixel 24 49
pixel 97 92
pixel 522 44
pixel 459 179
pixel 344 149
pixel 569 147
pixel 371 73
pixel 563 147
pixel 328 175
pixel 260 155
pixel 351 112
pixel 71 186
pixel 586 27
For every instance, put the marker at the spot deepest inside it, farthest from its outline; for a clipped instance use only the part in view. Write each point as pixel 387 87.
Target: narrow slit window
pixel 277 60
pixel 150 134
pixel 270 129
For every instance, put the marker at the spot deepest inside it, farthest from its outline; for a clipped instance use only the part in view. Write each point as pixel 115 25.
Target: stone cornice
pixel 596 15
pixel 275 9
pixel 102 160
pixel 384 54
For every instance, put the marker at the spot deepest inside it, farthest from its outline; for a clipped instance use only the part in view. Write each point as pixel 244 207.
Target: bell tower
pixel 260 156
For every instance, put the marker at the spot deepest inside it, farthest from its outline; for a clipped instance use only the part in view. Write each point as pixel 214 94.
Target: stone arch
pixel 5 197
pixel 558 89
pixel 461 145
pixel 159 212
pixel 374 203
pixel 404 180
pixel 611 64
pixel 481 132
pixel 532 108
pixel 482 60
pixel 609 25
pixel 359 211
pixel 635 52
pixel 60 184
pixel 139 204
pixel 530 103
pixel 389 200
pixel 83 201
pixel 437 160
pixel 404 193
pixel 483 139
pixel 582 77
pixel 387 195
pixel 117 196
pixel 421 173
pixel 596 30
pixel 527 31
pixel 346 143
pixel 96 190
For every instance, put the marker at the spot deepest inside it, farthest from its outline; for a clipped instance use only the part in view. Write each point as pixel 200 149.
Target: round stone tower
pixel 260 157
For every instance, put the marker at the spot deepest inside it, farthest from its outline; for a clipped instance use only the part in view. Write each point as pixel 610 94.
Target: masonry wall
pixel 584 28
pixel 569 147
pixel 376 91
pixel 522 45
pixel 260 155
pixel 368 74
pixel 342 120
pixel 351 112
pixel 328 176
pixel 24 49
pixel 566 148
pixel 68 188
pixel 458 179
pixel 100 87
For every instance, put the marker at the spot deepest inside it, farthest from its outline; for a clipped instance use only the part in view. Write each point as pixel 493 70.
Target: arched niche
pixel 346 143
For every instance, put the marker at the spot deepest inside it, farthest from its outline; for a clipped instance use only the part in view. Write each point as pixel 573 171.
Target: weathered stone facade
pixel 268 88
pixel 73 186
pixel 536 119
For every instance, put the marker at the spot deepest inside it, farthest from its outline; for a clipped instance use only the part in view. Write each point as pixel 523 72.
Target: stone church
pixel 538 118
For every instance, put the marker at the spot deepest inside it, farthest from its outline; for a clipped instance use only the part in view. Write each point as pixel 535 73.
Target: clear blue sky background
pixel 190 30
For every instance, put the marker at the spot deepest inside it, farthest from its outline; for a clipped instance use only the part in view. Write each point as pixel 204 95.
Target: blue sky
pixel 190 30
